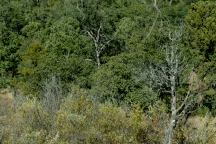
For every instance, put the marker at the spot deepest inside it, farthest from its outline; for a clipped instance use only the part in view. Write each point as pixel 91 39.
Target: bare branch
pixel 98 33
pixel 184 102
pixel 152 27
pixel 155 20
pixel 90 33
pixel 170 2
pixel 156 6
pixel 100 42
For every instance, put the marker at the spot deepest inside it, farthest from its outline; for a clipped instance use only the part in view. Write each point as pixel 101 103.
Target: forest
pixel 107 72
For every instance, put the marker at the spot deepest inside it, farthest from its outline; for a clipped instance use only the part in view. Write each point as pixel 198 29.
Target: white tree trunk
pixel 98 58
pixel 173 112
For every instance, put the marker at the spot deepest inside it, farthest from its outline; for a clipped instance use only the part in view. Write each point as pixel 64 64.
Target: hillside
pixel 107 71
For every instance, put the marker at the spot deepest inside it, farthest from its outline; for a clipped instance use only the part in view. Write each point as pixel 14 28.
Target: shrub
pixel 81 120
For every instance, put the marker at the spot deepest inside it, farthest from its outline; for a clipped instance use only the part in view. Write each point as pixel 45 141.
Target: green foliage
pixel 48 46
pixel 200 34
pixel 64 54
pixel 113 80
pixel 200 25
pixel 118 81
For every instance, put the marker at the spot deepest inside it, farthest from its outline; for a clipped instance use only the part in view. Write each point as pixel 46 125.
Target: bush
pixel 200 130
pixel 81 120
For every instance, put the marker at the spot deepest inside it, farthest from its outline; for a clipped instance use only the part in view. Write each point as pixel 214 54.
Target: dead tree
pixel 168 75
pixel 100 42
pixel 172 59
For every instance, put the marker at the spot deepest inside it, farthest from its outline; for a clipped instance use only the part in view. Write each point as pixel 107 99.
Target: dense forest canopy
pixel 107 71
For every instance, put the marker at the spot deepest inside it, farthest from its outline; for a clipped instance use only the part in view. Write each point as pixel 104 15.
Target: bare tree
pixel 100 42
pixel 167 76
pixel 172 59
pixel 52 94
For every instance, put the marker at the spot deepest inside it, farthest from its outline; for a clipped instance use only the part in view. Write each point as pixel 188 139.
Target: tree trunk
pixel 98 58
pixel 171 126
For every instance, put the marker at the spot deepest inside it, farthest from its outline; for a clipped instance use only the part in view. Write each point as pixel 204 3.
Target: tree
pixel 11 23
pixel 172 59
pixel 200 38
pixel 62 52
pixel 168 78
pixel 113 80
pixel 100 42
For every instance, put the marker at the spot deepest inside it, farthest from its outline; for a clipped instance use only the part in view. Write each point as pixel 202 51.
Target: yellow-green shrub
pixel 81 120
